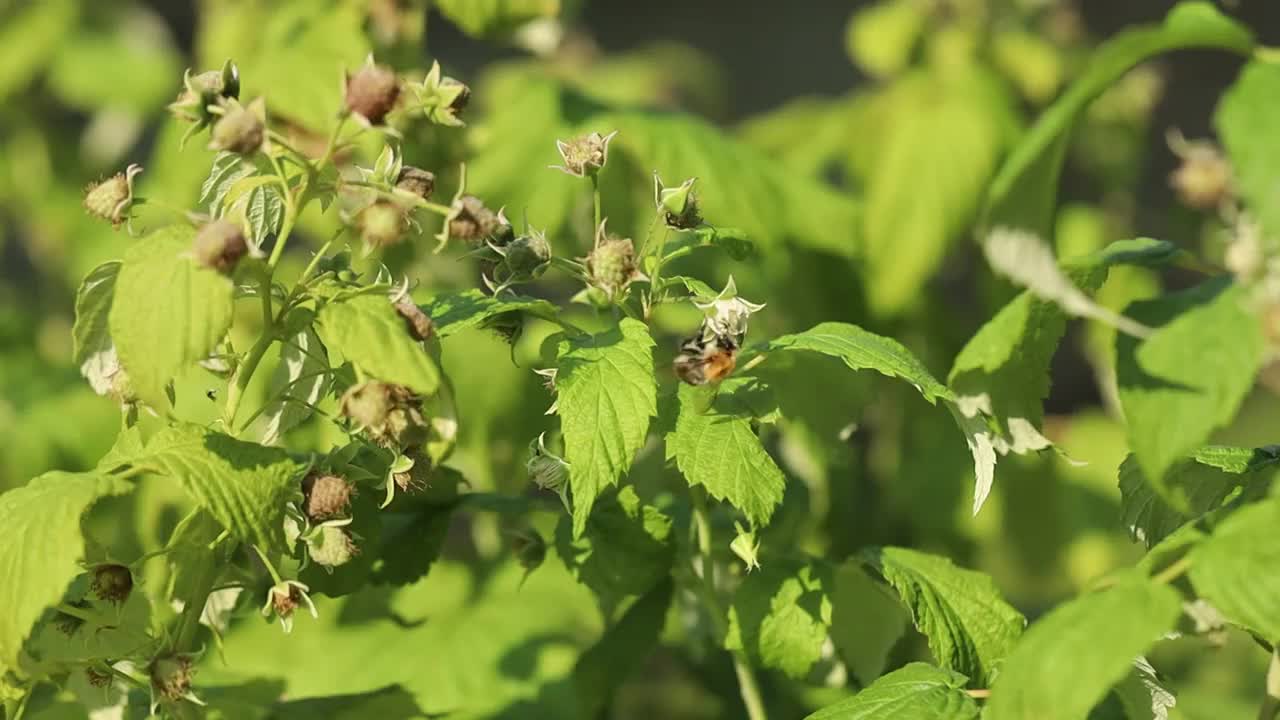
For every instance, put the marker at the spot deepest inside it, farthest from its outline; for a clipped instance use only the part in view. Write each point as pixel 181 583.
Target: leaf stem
pixel 275 576
pixel 705 570
pixel 1174 571
pixel 595 203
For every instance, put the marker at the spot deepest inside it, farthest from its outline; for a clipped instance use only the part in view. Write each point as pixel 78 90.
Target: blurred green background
pixel 852 141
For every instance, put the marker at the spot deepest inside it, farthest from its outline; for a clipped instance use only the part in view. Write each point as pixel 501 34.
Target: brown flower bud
pixel 219 246
pixel 372 92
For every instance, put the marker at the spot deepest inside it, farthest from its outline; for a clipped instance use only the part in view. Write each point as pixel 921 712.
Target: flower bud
pixel 746 547
pixel 326 496
pixel 612 266
pixel 416 181
pixel 171 676
pixel 331 547
pixel 528 254
pixel 440 98
pixel 111 582
pixel 678 206
pixel 219 246
pixel 284 599
pixel 200 92
pixel 1203 180
pixel 584 156
pixel 390 415
pixel 372 92
pixel 547 470
pixel 241 129
pixel 111 199
pixel 471 221
pixel 382 224
pixel 530 549
pixel 418 322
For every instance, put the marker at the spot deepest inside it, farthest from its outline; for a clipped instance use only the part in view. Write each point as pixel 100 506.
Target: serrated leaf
pixel 626 548
pixel 715 446
pixel 916 691
pixel 1235 569
pixel 606 394
pixel 244 485
pixel 1024 191
pixel 370 334
pixel 1068 660
pixel 625 646
pixel 1249 126
pixel 1142 695
pixel 95 354
pixel 263 210
pixel 454 312
pixel 1201 483
pixel 863 350
pixel 226 169
pixel 167 313
pixel 1189 377
pixel 43 549
pixel 297 383
pixel 969 626
pixel 781 613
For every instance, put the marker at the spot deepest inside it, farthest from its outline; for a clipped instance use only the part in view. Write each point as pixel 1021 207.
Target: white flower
pixel 284 598
pixel 728 314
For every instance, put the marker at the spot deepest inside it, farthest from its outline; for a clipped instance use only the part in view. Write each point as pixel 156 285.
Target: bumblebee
pixel 706 358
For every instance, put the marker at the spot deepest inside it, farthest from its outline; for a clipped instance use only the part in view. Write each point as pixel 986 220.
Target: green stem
pixel 189 622
pixel 595 203
pixel 1174 571
pixel 275 576
pixel 705 571
pixel 244 373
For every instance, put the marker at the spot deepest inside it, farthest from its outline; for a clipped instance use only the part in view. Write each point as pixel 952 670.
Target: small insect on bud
pixel 171 676
pixel 372 92
pixel 1203 180
pixel 326 496
pixel 611 266
pixel 416 181
pixel 241 130
pixel 382 224
pixel 331 547
pixel 111 582
pixel 111 199
pixel 584 156
pixel 219 246
pixel 417 321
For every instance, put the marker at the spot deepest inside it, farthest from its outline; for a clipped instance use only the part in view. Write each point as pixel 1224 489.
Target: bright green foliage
pixel 914 692
pixel 881 37
pixel 781 613
pixel 366 330
pixel 715 446
pixel 1171 403
pixel 1235 568
pixel 45 548
pixel 969 626
pixel 454 312
pixel 245 486
pixel 1067 660
pixel 167 313
pixel 1247 122
pixel 606 396
pixel 862 350
pixel 622 650
pixel 298 382
pixel 496 17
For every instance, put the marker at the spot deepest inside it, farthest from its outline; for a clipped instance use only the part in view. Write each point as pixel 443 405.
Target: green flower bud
pixel 439 98
pixel 202 91
pixel 390 415
pixel 372 92
pixel 612 266
pixel 382 224
pixel 111 199
pixel 331 547
pixel 326 496
pixel 416 182
pixel 241 130
pixel 528 254
pixel 219 246
pixel 111 582
pixel 678 206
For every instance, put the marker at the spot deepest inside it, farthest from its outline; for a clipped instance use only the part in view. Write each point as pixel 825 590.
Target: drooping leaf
pixel 626 549
pixel 297 383
pixel 457 311
pixel 781 614
pixel 606 395
pixel 369 333
pixel 1092 641
pixel 244 485
pixel 715 446
pixel 1235 568
pixel 168 313
pixel 1249 126
pixel 1023 193
pixel 43 549
pixel 917 691
pixel 622 650
pixel 95 354
pixel 969 626
pixel 1189 377
pixel 1202 483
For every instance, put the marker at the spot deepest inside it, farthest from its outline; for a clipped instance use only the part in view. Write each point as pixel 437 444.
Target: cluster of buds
pixel 584 156
pixel 371 93
pixel 219 245
pixel 612 266
pixel 440 98
pixel 112 199
pixel 390 415
pixel 1203 180
pixel 678 206
pixel 284 598
pixel 202 94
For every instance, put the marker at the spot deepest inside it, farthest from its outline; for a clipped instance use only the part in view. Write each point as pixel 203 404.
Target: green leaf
pixel 969 626
pixel 263 210
pixel 457 311
pixel 95 354
pixel 606 394
pixel 43 549
pixel 29 36
pixel 1248 124
pixel 916 691
pixel 1142 695
pixel 1201 483
pixel 1235 569
pixel 227 168
pixel 866 622
pixel 862 350
pixel 1069 659
pixel 781 613
pixel 626 549
pixel 411 542
pixel 622 651
pixel 1024 191
pixel 495 18
pixel 955 124
pixel 244 485
pixel 369 333
pixel 715 446
pixel 297 383
pixel 168 313
pixel 1189 377
pixel 389 702
pixel 881 38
